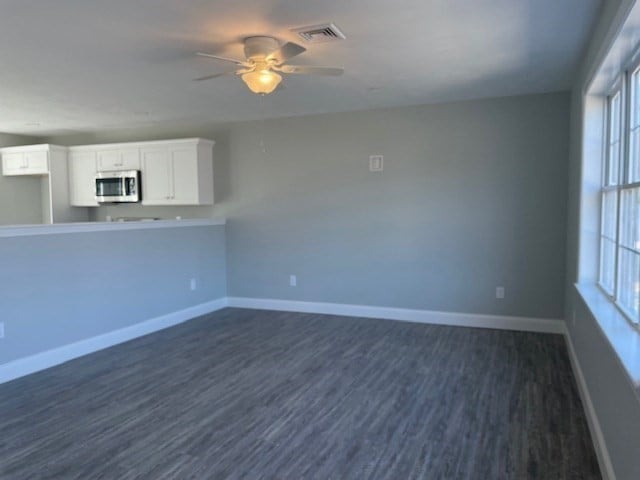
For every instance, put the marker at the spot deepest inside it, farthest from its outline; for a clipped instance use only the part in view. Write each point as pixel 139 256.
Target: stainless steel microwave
pixel 118 187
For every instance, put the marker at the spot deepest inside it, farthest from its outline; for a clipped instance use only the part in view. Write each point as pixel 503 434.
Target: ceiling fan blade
pixel 304 70
pixel 215 75
pixel 224 59
pixel 285 52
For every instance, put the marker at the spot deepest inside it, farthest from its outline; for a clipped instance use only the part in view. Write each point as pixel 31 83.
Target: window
pixel 609 208
pixel 620 199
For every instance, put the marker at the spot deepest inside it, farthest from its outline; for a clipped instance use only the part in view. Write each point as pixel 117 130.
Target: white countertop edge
pixel 623 337
pixel 31 230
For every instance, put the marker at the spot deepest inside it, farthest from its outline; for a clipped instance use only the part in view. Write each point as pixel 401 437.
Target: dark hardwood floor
pixel 254 394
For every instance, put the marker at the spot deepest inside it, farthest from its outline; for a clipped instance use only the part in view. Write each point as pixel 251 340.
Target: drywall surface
pixel 472 197
pixel 62 288
pixel 616 404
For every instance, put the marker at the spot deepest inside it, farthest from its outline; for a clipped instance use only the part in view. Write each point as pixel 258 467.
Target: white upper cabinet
pixel 178 173
pixel 31 160
pixel 118 159
pixel 156 181
pixel 174 172
pixel 187 171
pixel 82 174
pixel 50 163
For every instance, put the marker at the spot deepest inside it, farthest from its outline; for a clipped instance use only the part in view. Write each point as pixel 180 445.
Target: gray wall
pixel 614 399
pixel 20 197
pixel 59 289
pixel 615 402
pixel 472 197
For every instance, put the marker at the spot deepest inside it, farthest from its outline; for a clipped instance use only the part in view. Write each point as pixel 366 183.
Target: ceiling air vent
pixel 320 33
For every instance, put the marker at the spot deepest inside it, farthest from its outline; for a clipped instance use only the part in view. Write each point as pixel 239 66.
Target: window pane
pixel 615 119
pixel 609 213
pixel 614 162
pixel 634 161
pixel 607 264
pixel 635 89
pixel 630 218
pixel 633 170
pixel 613 155
pixel 629 282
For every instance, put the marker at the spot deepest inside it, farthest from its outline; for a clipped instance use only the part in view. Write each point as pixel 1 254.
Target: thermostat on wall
pixel 376 163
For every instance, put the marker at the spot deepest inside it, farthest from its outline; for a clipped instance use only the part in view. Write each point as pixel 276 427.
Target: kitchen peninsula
pixel 86 227
pixel 109 282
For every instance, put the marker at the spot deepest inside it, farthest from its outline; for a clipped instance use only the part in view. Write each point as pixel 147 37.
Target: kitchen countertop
pixel 59 228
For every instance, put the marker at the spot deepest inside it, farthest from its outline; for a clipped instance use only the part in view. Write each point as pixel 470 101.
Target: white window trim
pixel 615 54
pixel 621 85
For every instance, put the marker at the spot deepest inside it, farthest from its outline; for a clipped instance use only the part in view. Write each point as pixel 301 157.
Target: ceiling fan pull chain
pixel 262 118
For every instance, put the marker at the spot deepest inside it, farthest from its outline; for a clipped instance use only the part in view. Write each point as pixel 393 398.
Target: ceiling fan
pixel 265 59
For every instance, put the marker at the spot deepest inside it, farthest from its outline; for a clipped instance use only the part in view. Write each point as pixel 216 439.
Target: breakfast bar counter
pixel 66 228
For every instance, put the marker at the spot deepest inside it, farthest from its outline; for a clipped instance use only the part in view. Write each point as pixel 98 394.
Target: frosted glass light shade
pixel 262 82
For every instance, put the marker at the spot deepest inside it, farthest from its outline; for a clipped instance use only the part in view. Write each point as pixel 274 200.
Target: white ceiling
pixel 79 66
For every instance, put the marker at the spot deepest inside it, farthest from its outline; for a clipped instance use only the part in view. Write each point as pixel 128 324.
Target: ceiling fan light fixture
pixel 265 58
pixel 262 82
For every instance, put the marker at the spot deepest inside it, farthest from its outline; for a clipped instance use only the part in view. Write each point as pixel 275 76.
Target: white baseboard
pixel 599 444
pixel 403 314
pixel 41 361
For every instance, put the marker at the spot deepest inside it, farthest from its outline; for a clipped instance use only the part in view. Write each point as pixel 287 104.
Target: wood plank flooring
pixel 254 394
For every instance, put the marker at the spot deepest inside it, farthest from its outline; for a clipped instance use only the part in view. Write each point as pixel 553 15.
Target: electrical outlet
pixel 293 281
pixel 1 329
pixel 500 293
pixel 193 284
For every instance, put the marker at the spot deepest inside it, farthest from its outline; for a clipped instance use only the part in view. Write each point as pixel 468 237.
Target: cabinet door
pixel 25 163
pixel 82 173
pixel 109 160
pixel 37 162
pixel 156 177
pixel 13 164
pixel 130 159
pixel 119 159
pixel 184 163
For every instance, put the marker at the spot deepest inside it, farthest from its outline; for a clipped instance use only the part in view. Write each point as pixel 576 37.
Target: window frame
pixel 621 86
pixel 617 88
